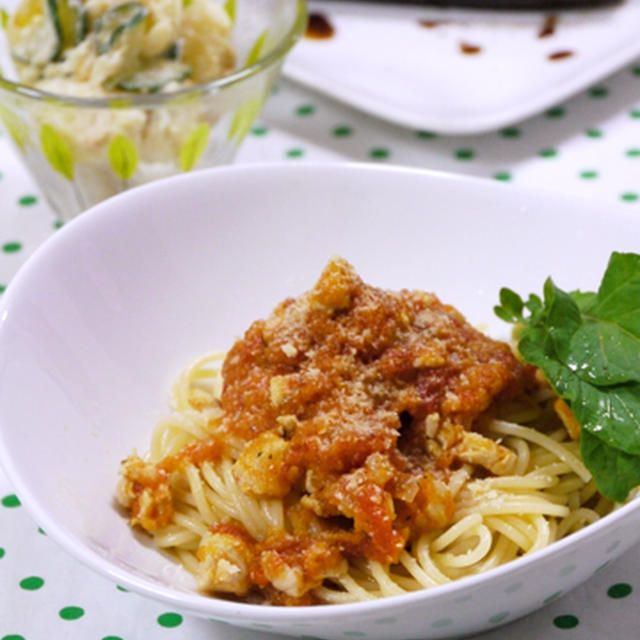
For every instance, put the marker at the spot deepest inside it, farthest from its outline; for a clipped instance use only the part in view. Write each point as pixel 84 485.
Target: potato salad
pixel 91 48
pixel 104 95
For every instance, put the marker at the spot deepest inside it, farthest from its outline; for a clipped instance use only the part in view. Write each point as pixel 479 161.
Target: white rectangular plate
pixel 382 60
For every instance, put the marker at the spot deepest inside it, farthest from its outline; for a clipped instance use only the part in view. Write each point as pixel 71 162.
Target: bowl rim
pixel 208 606
pixel 214 87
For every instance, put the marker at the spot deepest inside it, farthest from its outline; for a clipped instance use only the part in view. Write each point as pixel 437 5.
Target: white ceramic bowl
pixel 101 319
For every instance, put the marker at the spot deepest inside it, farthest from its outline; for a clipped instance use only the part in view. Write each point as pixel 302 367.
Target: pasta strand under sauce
pixel 346 450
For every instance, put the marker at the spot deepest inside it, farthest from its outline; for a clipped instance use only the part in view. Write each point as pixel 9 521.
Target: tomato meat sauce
pixel 355 406
pixel 364 400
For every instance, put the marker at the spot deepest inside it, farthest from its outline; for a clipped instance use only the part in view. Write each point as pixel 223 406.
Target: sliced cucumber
pixel 154 77
pixel 116 21
pixel 44 29
pixel 174 52
pixel 70 20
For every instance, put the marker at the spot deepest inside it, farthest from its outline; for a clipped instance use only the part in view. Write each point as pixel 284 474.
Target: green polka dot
pixel 12 637
pixel 426 135
pixel 556 112
pixel 11 247
pixel 588 175
pixel 58 224
pixel 112 638
pixel 463 599
pixel 635 71
pixel 598 92
pixel 629 197
pixel 443 622
pixel 305 110
pixel 3 288
pixel 635 113
pixel 502 176
pixel 593 133
pixel 2 552
pixel 511 132
pixel 379 153
pixel 27 201
pixel 32 583
pixel 295 153
pixel 10 501
pixel 548 153
pixel 119 588
pixel 342 131
pixel 71 613
pixel 170 620
pixel 552 597
pixel 633 153
pixel 499 617
pixel 259 131
pixel 465 154
pixel 42 531
pixel 566 622
pixel 620 590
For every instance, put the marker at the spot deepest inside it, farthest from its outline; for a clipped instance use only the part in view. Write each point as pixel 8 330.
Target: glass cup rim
pixel 285 44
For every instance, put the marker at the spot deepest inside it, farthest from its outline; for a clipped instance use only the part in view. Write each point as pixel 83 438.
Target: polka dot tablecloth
pixel 588 146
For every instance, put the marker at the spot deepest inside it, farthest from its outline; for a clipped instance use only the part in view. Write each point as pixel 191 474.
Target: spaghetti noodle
pixel 457 492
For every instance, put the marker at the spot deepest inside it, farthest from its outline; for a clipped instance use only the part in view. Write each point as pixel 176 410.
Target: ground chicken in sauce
pixel 355 405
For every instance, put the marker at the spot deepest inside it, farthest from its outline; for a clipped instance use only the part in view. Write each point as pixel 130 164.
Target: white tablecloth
pixel 588 146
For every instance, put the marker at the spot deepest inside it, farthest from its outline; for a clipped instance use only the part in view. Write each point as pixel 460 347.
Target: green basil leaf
pixel 603 354
pixel 123 156
pixel 536 348
pixel 534 304
pixel 619 293
pixel 584 299
pixel 57 151
pixel 588 347
pixel 503 314
pixel 511 306
pixel 562 318
pixel 610 413
pixel 614 471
